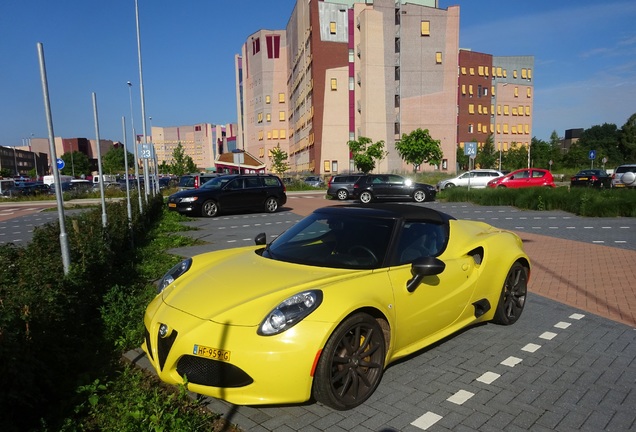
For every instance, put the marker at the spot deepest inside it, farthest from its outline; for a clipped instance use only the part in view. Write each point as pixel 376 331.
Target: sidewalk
pixel 598 279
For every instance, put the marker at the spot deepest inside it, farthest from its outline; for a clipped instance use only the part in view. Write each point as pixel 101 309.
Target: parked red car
pixel 528 177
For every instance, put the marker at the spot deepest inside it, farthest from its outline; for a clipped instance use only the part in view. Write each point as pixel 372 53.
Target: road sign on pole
pixel 60 163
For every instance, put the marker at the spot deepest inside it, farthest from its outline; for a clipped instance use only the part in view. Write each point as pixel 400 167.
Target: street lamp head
pixel 129 84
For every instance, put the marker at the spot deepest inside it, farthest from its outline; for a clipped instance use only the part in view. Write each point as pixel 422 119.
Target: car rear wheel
pixel 351 364
pixel 366 197
pixel 209 209
pixel 513 295
pixel 449 186
pixel 271 205
pixel 419 196
pixel 342 194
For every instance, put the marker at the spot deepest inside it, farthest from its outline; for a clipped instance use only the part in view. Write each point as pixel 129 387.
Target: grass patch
pixel 580 201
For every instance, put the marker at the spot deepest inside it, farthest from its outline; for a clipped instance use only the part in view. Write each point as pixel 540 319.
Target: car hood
pixel 240 287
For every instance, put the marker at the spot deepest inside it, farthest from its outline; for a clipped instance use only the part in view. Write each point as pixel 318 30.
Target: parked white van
pixel 50 179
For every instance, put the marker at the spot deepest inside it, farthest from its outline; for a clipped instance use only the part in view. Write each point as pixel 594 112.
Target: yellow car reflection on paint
pixel 318 313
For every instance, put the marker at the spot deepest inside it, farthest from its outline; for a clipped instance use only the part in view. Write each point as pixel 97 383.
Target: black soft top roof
pixel 389 210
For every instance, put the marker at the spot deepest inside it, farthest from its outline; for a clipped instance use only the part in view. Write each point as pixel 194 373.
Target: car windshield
pixel 335 241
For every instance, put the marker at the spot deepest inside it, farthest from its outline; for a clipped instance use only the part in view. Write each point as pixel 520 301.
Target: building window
pixel 334 166
pixel 463 70
pixel 529 92
pixel 197 128
pixel 273 46
pixel 267 99
pixel 514 73
pixel 281 116
pixel 463 89
pixel 470 128
pixel 268 117
pixel 471 109
pixel 327 166
pixel 516 91
pixel 470 89
pixel 471 71
pixel 260 117
pixel 334 84
pixel 425 29
pixel 352 84
pixel 275 134
pixel 256 46
pixel 281 97
pixel 283 134
pixel 438 57
pixel 332 27
pixel 269 135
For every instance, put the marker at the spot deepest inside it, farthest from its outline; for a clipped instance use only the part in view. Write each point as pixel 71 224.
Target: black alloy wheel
pixel 351 364
pixel 513 295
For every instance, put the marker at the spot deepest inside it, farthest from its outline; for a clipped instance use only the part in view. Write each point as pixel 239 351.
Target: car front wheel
pixel 351 364
pixel 271 205
pixel 209 209
pixel 342 194
pixel 513 295
pixel 366 197
pixel 419 196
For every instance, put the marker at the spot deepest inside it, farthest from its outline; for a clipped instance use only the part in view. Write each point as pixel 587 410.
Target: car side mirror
pixel 260 239
pixel 421 267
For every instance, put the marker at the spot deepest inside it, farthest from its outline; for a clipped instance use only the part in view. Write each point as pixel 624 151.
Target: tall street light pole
pixel 143 103
pixel 141 207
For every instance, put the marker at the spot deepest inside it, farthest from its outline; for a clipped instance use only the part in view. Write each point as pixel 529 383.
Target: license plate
pixel 211 353
pixel 619 185
pixel 582 178
pixel 172 205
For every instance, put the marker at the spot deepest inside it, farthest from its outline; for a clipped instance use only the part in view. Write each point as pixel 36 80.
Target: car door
pixel 436 304
pixel 230 198
pixel 380 186
pixel 537 178
pixel 399 187
pixel 519 179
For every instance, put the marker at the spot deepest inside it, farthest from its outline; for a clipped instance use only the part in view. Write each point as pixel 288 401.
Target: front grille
pixel 212 373
pixel 163 347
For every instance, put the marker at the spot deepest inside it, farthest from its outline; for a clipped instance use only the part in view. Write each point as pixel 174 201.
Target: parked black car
pixel 230 193
pixel 592 178
pixel 341 185
pixel 391 187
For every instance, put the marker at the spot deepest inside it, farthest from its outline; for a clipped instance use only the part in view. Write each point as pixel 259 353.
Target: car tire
pixel 513 295
pixel 351 363
pixel 419 196
pixel 209 209
pixel 342 194
pixel 449 186
pixel 366 197
pixel 271 205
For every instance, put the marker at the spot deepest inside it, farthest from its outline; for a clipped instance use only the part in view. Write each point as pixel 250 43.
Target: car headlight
pixel 173 274
pixel 290 312
pixel 189 199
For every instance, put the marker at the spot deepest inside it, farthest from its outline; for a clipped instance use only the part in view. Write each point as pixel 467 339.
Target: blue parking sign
pixel 60 163
pixel 592 154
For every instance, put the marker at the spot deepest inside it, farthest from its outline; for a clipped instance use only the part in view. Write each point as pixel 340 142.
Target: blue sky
pixel 585 59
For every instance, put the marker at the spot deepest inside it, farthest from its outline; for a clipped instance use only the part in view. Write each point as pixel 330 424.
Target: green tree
pixel 540 153
pixel 627 141
pixel 487 156
pixel 164 168
pixel 113 162
pixel 418 147
pixel 75 164
pixel 5 172
pixel 576 157
pixel 279 160
pixel 604 139
pixel 556 154
pixel 462 159
pixel 365 153
pixel 181 162
pixel 515 158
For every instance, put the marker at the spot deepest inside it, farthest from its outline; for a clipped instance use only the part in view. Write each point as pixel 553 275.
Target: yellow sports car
pixel 322 310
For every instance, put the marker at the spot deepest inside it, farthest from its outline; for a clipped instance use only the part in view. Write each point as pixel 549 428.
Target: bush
pixel 581 201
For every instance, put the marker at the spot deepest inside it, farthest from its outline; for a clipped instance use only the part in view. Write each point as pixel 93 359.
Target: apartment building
pixel 262 102
pixel 354 68
pixel 203 142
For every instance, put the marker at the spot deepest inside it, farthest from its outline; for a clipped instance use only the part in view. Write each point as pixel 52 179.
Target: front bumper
pixel 253 369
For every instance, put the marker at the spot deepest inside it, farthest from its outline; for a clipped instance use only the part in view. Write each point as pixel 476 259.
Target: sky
pixel 584 60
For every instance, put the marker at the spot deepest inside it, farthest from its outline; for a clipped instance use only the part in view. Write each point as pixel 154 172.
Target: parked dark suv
pixel 373 187
pixel 229 193
pixel 341 185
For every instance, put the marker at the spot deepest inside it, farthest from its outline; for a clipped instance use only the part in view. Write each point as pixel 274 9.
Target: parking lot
pixel 567 364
